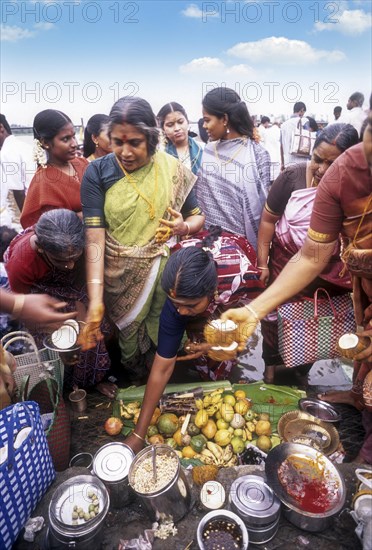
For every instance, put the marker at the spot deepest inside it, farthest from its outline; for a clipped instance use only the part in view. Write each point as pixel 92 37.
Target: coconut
pixel 65 337
pixel 220 333
pixel 219 353
pixel 349 345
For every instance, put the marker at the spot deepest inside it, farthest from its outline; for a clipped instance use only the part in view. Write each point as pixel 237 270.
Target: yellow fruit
pixel 241 406
pixel 210 429
pixel 237 445
pixel 156 439
pixel 177 436
pixel 264 416
pixel 201 418
pixel 263 427
pixel 188 452
pixel 155 416
pixel 229 399
pixel 217 415
pixel 230 429
pixel 222 424
pixel 264 443
pixel 227 412
pixel 240 394
pixel 222 437
pixel 238 432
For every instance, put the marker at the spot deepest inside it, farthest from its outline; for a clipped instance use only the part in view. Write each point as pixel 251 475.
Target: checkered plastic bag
pixel 26 467
pixel 309 330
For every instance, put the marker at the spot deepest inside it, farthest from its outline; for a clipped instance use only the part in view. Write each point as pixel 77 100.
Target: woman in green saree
pixel 133 201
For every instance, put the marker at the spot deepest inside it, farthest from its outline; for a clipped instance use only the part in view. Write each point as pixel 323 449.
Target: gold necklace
pixel 150 203
pixel 224 163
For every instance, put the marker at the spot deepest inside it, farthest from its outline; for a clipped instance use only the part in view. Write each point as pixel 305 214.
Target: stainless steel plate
pixel 319 409
pixel 313 459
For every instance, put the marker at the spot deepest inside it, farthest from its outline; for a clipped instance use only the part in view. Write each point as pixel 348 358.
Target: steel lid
pixel 112 461
pixel 254 500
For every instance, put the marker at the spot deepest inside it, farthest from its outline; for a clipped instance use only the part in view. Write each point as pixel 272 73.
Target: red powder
pixel 314 497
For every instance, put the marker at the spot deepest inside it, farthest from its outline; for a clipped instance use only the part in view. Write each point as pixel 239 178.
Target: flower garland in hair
pixel 256 135
pixel 40 154
pixel 162 143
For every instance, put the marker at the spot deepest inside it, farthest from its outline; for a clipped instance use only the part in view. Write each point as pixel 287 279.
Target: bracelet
pixel 188 230
pixel 95 281
pixel 258 267
pixel 251 310
pixel 139 437
pixel 19 302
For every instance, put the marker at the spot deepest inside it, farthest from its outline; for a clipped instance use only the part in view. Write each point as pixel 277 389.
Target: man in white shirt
pixel 264 124
pixel 287 130
pixel 355 115
pixel 17 168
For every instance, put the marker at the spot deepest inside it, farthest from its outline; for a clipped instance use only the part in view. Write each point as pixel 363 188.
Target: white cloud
pixel 283 51
pixel 202 64
pixel 348 22
pixel 44 26
pixel 241 70
pixel 195 12
pixel 9 33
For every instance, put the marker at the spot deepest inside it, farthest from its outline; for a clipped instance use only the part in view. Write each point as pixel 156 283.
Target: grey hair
pixel 60 231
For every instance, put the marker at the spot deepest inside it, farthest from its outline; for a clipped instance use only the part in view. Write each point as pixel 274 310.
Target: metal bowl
pixel 319 409
pixel 222 515
pixel 321 467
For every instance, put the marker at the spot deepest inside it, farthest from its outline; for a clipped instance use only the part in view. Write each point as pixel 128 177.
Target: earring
pixel 96 143
pixel 215 296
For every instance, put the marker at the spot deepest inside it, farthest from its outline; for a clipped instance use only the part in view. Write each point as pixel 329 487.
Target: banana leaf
pixel 271 399
pixel 136 393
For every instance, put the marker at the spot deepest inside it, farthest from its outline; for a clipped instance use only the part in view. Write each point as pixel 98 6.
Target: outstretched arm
pixel 36 308
pixel 161 371
pixel 295 276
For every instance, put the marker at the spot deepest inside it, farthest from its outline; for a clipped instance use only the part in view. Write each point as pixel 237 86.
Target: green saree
pixel 134 262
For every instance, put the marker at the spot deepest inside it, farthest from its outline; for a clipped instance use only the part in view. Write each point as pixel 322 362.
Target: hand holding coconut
pixel 222 336
pixel 355 346
pixel 246 320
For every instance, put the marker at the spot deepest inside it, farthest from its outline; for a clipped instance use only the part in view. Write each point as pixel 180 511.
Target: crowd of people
pixel 145 233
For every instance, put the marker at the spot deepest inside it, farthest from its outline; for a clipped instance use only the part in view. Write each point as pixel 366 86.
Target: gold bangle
pixel 258 267
pixel 251 310
pixel 19 302
pixel 95 281
pixel 139 437
pixel 188 230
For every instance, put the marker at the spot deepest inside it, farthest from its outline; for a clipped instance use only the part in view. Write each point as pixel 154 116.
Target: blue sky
pixel 79 56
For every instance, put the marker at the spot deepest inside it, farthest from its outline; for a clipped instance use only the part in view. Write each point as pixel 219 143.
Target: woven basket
pixel 36 364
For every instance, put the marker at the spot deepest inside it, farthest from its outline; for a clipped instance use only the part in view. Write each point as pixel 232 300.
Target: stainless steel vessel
pixel 171 502
pixel 257 505
pixel 64 530
pixel 111 465
pixel 303 454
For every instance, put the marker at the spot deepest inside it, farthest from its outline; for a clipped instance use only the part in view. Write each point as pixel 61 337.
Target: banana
pixel 232 462
pixel 215 449
pixel 207 460
pixel 249 434
pixel 228 453
pixel 199 404
pixel 216 399
pixel 217 392
pixel 207 401
pixel 207 454
pixel 212 409
pixel 251 426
